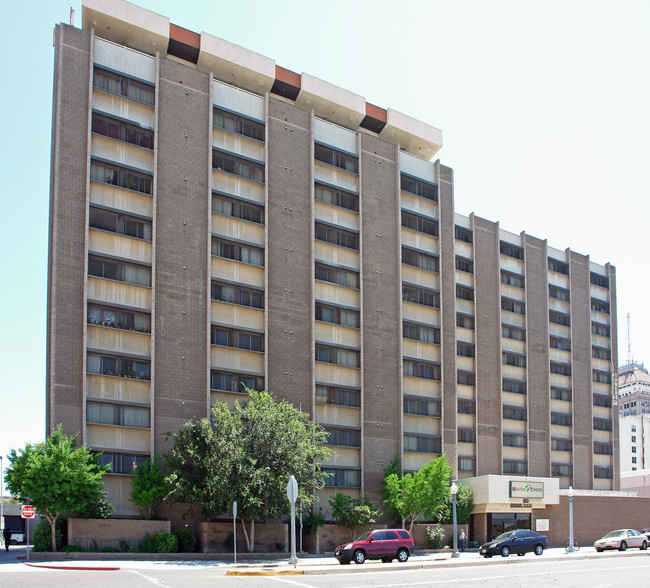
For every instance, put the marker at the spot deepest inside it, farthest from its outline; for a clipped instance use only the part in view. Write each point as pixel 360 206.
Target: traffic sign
pixel 27 511
pixel 292 490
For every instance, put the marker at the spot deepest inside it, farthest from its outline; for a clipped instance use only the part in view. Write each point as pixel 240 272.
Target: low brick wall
pixel 212 536
pixel 107 532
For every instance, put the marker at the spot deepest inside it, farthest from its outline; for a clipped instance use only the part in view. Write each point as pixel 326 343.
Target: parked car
pixel 621 539
pixel 384 544
pixel 520 541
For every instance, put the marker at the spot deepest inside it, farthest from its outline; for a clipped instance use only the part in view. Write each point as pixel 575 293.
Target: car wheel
pixel 402 555
pixel 623 546
pixel 359 557
pixel 539 549
pixel 505 551
pixel 599 550
pixel 644 545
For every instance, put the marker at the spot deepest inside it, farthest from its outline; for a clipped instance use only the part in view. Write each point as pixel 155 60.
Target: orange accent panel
pixel 376 112
pixel 184 36
pixel 287 76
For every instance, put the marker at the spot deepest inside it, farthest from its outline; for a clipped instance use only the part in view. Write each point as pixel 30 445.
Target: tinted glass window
pixel 403 534
pixel 390 535
pixel 378 536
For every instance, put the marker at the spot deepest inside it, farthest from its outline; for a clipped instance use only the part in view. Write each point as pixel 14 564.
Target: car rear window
pixel 389 535
pixel 404 534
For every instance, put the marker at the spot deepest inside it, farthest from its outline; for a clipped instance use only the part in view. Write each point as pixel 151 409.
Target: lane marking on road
pixel 488 578
pixel 287 581
pixel 151 579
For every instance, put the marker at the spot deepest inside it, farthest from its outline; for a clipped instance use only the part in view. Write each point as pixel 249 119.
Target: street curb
pixel 95 568
pixel 265 573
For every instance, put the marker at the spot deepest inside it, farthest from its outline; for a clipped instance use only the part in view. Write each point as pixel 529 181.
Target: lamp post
pixel 454 491
pixel 570 494
pixel 2 502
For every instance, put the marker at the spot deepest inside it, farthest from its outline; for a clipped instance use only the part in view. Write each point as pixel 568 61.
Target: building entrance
pixel 500 522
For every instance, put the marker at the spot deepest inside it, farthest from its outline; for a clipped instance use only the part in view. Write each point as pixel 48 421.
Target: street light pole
pixel 570 493
pixel 454 490
pixel 2 502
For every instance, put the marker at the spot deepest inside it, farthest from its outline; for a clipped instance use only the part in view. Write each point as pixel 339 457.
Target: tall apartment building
pixel 633 390
pixel 218 220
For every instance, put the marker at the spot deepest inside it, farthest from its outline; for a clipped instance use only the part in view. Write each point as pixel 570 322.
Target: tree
pixel 56 477
pixel 150 487
pixel 394 467
pixel 248 453
pixel 464 507
pixel 353 513
pixel 420 494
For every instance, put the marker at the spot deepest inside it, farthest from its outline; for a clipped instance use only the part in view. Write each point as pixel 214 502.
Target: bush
pixel 474 545
pixel 186 540
pixel 435 536
pixel 165 543
pixel 43 536
pixel 72 548
pixel 279 546
pixel 229 543
pixel 109 549
pixel 147 545
pixel 125 546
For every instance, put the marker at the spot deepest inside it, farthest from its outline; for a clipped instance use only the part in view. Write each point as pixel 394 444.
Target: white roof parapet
pixel 236 65
pixel 331 102
pixel 126 24
pixel 412 135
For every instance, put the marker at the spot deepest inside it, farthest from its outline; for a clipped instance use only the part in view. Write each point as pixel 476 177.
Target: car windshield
pixel 505 535
pixel 615 533
pixel 363 537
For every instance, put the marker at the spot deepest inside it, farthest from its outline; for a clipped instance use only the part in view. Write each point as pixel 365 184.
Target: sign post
pixel 234 529
pixel 292 494
pixel 27 512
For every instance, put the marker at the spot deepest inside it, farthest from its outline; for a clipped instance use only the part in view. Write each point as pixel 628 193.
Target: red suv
pixel 384 544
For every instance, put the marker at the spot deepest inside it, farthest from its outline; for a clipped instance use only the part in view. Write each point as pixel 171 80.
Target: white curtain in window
pixel 93 363
pixel 133 416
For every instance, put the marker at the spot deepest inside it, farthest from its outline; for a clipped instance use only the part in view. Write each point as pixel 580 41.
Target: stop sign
pixel 27 511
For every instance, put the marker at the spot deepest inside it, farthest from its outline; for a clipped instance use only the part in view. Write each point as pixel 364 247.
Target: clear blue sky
pixel 543 107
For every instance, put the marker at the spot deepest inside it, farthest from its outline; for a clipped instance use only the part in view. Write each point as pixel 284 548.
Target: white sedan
pixel 621 539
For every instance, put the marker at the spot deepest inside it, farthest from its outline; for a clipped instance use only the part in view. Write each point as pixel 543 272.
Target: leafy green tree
pixel 248 453
pixel 394 467
pixel 353 513
pixel 464 507
pixel 150 487
pixel 56 477
pixel 98 508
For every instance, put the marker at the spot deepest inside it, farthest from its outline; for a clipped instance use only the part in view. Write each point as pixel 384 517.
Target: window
pixel 562 369
pixel 601 353
pixel 466 436
pixel 515 467
pixel 420 259
pixel 122 131
pixel 464 292
pixel 418 295
pixel 121 463
pixel 465 349
pixel 513 359
pixel 601 472
pixel 337 315
pixel 338 396
pixel 600 305
pixel 237 251
pixel 237 208
pixel 417 332
pixel 511 250
pixel 561 469
pixel 239 166
pixel 598 280
pixel 466 464
pixel 232 382
pixel 345 161
pixel 337 236
pixel 463 234
pixel 601 424
pixel 123 86
pixel 422 224
pixel 514 280
pixel 563 419
pixel 516 306
pixel 123 367
pixel 560 343
pixel 242 295
pixel 337 197
pixel 117 318
pixel 465 378
pixel 515 440
pixel 633 439
pixel 466 406
pixel 558 293
pixel 633 449
pixel 235 123
pixel 123 224
pixel 117 414
pixel 120 176
pixel 601 377
pixel 513 386
pixel 421 406
pixel 419 187
pixel 464 321
pixel 599 329
pixel 343 437
pixel 337 275
pixel 514 413
pixel 422 444
pixel 341 478
pixel 603 448
pixel 421 369
pixel 121 271
pixel 464 265
pixel 510 332
pixel 558 444
pixel 558 266
pixel 560 393
pixel 559 318
pixel 226 337
pixel 634 460
pixel 337 355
